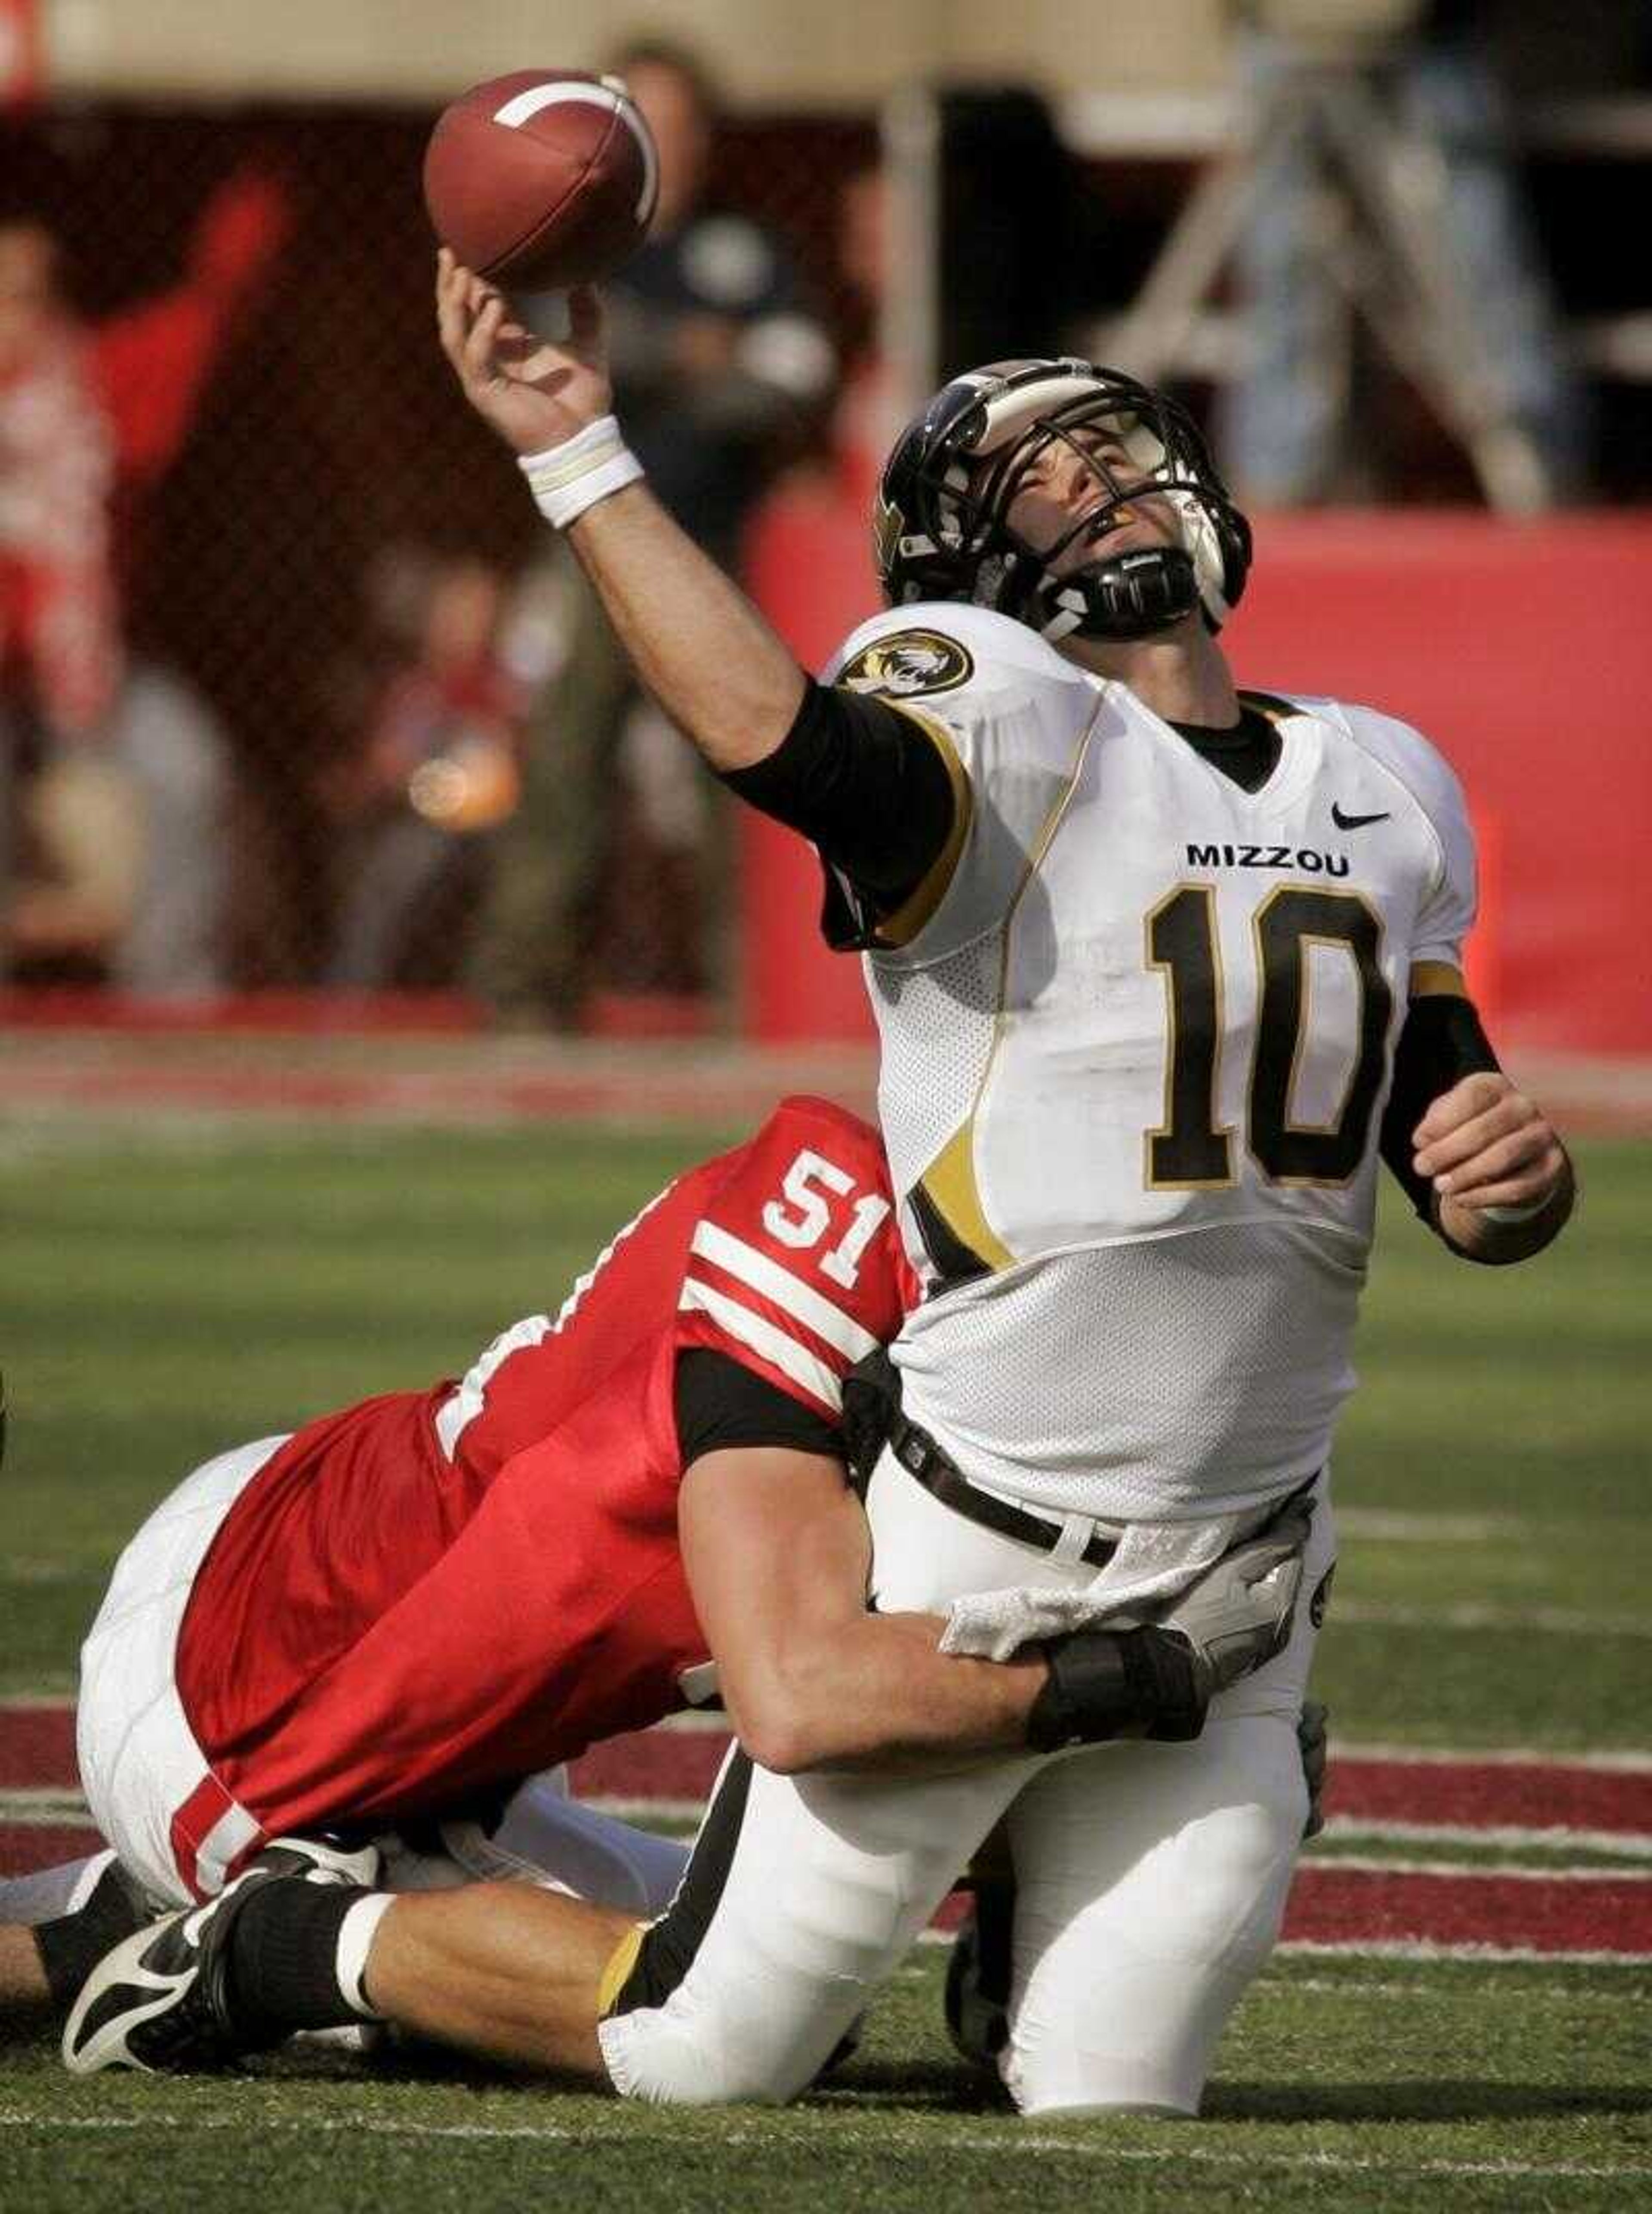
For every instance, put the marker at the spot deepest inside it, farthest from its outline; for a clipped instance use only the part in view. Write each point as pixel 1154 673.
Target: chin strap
pixel 1130 596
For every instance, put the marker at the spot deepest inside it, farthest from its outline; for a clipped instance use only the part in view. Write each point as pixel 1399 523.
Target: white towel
pixel 1155 1561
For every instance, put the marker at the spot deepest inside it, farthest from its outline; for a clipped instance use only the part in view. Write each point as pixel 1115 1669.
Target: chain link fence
pixel 221 394
pixel 280 635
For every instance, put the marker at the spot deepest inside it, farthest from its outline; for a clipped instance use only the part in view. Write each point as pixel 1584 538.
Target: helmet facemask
pixel 944 528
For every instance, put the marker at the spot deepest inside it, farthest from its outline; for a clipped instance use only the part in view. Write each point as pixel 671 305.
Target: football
pixel 542 179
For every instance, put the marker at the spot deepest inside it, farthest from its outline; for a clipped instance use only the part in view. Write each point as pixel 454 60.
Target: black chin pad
pixel 1126 596
pixel 1132 595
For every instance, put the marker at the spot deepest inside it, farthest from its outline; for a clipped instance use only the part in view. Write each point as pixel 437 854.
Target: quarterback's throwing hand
pixel 535 394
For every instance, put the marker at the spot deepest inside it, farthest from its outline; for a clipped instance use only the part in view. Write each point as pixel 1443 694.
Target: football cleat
pixel 977 1995
pixel 978 1977
pixel 845 2048
pixel 1312 1739
pixel 77 1913
pixel 161 2000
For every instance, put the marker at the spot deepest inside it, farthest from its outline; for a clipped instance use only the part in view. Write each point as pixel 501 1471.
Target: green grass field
pixel 1342 2087
pixel 165 1294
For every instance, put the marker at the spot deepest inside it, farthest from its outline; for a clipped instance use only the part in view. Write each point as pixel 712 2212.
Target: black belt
pixel 920 1456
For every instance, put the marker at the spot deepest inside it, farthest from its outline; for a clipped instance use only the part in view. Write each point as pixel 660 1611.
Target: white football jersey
pixel 1137 1038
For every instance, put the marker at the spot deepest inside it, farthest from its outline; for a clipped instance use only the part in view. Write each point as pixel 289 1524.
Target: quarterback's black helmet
pixel 941 529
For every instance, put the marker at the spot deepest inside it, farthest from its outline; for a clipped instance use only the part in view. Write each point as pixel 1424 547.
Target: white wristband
pixel 1528 1213
pixel 566 480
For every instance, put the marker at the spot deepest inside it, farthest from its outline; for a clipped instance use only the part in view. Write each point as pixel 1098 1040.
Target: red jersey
pixel 435 1593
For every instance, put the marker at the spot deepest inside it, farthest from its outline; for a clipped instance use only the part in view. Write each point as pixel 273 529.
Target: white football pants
pixel 1151 1877
pixel 140 1761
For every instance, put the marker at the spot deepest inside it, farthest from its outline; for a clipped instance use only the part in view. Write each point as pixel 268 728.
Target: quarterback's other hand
pixel 535 394
pixel 1484 1144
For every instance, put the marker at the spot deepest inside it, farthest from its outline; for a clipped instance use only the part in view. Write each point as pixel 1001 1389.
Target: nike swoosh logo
pixel 1355 822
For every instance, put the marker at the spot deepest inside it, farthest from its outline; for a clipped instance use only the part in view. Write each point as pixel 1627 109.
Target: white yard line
pixel 1473 1614
pixel 1622 1844
pixel 42 1809
pixel 1401 1526
pixel 1426 1950
pixel 1464 1870
pixel 646 1810
pixel 1372 1987
pixel 828 2122
pixel 1628 1761
pixel 47 1807
pixel 1484 1956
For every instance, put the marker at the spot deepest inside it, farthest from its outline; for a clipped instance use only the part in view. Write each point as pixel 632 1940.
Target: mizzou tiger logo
pixel 909 662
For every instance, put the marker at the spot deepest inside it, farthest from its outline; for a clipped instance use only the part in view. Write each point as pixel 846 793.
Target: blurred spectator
pixel 59 642
pixel 89 415
pixel 868 416
pixel 716 359
pixel 436 773
pixel 1287 427
pixel 122 872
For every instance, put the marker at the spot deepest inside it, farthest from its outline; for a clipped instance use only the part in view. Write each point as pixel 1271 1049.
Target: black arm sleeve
pixel 861 780
pixel 1440 1043
pixel 720 1403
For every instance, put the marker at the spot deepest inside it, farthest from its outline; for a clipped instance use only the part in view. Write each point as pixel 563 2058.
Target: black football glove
pixel 1158 1680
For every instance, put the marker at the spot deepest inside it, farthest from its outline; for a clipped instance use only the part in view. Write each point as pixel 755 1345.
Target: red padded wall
pixel 1523 650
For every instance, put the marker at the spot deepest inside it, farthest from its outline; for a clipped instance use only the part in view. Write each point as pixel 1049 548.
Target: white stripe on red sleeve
pixel 467 1398
pixel 770 1344
pixel 822 1316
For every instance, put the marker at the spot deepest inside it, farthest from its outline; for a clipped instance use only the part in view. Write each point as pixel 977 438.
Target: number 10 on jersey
pixel 1191 1150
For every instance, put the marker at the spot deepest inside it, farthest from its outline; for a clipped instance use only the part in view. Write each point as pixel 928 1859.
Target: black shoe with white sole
pixel 78 1913
pixel 162 1998
pixel 977 1997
